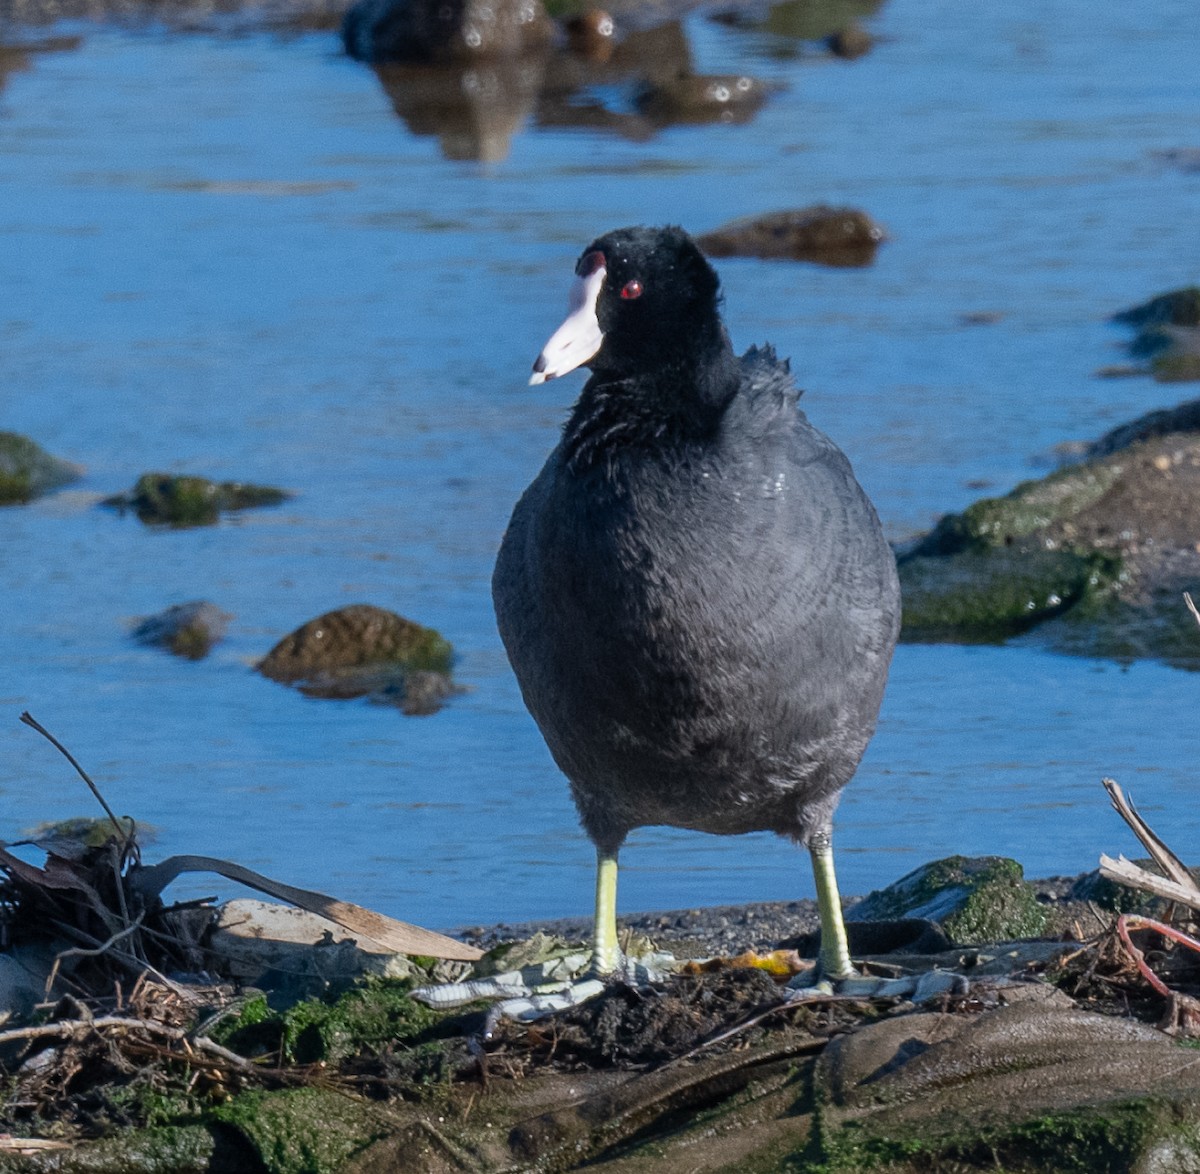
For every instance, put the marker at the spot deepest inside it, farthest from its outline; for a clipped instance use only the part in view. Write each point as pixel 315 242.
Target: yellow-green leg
pixel 606 953
pixel 835 950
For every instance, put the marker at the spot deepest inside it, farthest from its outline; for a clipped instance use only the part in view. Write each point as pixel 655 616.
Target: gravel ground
pixel 761 926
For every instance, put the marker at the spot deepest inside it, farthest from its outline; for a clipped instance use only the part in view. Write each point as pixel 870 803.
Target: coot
pixel 695 594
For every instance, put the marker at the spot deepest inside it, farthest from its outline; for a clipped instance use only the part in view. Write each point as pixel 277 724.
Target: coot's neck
pixel 671 397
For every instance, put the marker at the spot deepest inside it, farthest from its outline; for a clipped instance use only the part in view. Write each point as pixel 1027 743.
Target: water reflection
pixel 472 110
pixel 17 58
pixel 633 86
pixel 834 23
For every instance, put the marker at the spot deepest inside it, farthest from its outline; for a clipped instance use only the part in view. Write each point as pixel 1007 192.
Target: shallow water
pixel 227 255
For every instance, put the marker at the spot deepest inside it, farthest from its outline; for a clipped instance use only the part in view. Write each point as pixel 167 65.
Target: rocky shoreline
pixel 1037 1053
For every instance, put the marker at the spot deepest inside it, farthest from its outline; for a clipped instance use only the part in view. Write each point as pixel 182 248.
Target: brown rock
pixel 843 237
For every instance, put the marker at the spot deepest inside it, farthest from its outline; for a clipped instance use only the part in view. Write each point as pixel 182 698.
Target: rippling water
pixel 227 255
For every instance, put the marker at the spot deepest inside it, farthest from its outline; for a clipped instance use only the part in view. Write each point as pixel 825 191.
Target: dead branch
pixel 1172 866
pixel 34 724
pixel 1127 873
pixel 399 937
pixel 73 1028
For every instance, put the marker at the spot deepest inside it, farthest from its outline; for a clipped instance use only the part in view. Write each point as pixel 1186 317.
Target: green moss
pixel 187 1149
pixel 998 521
pixel 976 900
pixel 373 1015
pixel 166 499
pixel 1109 1139
pixel 27 471
pixel 1176 367
pixel 304 1130
pixel 985 596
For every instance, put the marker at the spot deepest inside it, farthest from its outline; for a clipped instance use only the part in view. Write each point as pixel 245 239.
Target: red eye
pixel 631 289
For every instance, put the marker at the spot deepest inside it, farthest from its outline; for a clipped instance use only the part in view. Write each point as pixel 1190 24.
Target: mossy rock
pixel 1143 1136
pixel 1118 898
pixel 365 651
pixel 170 1149
pixel 304 1130
pixel 995 522
pixel 188 630
pixel 976 900
pixel 1176 367
pixel 165 499
pixel 28 471
pixel 1096 556
pixel 984 596
pixel 373 1015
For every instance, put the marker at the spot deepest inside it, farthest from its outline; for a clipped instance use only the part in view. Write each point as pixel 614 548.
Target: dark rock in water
pixel 365 651
pixel 1184 417
pixel 442 31
pixel 1097 554
pixel 473 111
pixel 974 899
pixel 842 237
pixel 700 99
pixel 851 42
pixel 166 499
pixel 28 471
pixel 186 629
pixel 1180 307
pixel 1168 334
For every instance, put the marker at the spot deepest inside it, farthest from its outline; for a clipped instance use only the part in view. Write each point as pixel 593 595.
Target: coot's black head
pixel 645 301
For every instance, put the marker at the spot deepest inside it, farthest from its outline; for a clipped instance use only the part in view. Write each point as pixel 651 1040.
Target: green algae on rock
pixel 1168 334
pixel 167 499
pixel 365 651
pixel 28 471
pixel 976 596
pixel 371 1015
pixel 1094 557
pixel 308 1130
pixel 974 899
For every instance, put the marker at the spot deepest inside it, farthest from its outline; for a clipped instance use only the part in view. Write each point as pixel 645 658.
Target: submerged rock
pixel 841 237
pixel 800 20
pixel 365 651
pixel 1168 334
pixel 974 899
pixel 170 500
pixel 442 31
pixel 28 471
pixel 1094 557
pixel 850 42
pixel 185 629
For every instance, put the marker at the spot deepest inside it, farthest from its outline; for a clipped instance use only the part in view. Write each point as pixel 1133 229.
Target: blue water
pixel 227 255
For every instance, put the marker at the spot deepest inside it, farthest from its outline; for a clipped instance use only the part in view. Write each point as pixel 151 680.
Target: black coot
pixel 695 593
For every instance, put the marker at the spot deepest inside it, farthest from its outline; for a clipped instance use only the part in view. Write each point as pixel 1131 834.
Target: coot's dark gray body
pixel 695 593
